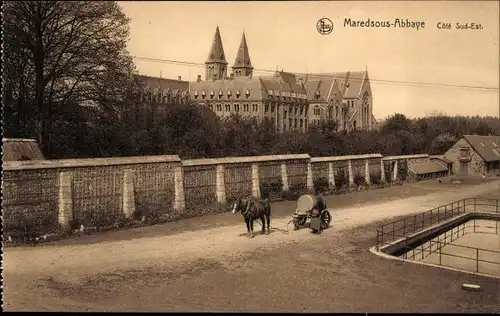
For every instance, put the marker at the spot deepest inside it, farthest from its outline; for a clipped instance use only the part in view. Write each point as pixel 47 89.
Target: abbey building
pixel 291 101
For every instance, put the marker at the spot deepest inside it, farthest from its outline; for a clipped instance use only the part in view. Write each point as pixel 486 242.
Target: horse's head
pixel 238 205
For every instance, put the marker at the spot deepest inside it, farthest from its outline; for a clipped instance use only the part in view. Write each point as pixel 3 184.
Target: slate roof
pixel 216 54
pixel 488 147
pixel 17 149
pixel 326 87
pixel 243 57
pixel 427 167
pixel 165 85
pixel 349 83
pixel 235 85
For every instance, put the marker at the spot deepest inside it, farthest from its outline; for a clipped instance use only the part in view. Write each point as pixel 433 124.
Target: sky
pixel 283 35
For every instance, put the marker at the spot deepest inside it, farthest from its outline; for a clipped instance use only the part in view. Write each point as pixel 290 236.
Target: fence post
pixel 382 172
pixel 351 175
pixel 284 176
pixel 414 223
pixel 378 234
pixel 220 187
pixel 310 182
pixel 439 248
pixel 395 172
pixel 65 215
pixel 477 259
pixel 128 194
pixel 497 205
pixel 474 223
pixel 367 173
pixel 179 197
pixel 382 233
pixel 393 228
pixel 331 175
pixel 255 181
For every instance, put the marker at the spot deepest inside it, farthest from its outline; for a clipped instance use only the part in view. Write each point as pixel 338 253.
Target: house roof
pixel 18 149
pixel 488 147
pixel 427 167
pixel 442 158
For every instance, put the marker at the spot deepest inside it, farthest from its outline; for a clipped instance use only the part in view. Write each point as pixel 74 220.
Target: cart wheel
pixel 302 221
pixel 296 225
pixel 326 218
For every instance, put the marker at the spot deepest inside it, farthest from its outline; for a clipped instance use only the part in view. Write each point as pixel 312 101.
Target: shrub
pixel 271 188
pixel 359 180
pixel 321 185
pixel 341 179
pixel 376 177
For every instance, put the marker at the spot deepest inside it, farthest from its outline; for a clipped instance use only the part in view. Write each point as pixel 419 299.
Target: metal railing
pixel 388 233
pixel 415 223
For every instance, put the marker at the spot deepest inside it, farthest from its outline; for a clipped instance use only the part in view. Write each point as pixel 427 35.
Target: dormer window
pixel 247 93
pixel 203 94
pixel 348 84
pixel 196 94
pixel 228 93
pixel 212 93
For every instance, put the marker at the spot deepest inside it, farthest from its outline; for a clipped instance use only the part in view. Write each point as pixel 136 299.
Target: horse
pixel 252 210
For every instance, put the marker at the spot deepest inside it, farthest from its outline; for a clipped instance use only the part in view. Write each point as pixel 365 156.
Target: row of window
pixel 247 96
pixel 236 107
pixel 159 98
pixel 295 124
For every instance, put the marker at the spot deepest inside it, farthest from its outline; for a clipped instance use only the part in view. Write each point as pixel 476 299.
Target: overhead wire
pixel 328 76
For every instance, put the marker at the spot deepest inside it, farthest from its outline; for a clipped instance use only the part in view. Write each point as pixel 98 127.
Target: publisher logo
pixel 324 26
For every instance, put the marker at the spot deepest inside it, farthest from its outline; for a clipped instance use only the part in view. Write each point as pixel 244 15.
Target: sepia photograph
pixel 251 156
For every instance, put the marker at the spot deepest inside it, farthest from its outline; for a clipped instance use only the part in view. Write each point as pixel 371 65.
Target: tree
pixel 396 122
pixel 60 54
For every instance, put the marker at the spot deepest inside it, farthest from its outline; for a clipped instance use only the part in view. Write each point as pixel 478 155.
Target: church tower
pixel 242 65
pixel 216 64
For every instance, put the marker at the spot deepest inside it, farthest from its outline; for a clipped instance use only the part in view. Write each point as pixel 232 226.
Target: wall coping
pixel 18 140
pixel 87 162
pixel 406 157
pixel 247 159
pixel 342 158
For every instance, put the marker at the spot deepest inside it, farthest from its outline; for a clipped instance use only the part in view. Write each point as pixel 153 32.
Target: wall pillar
pixel 220 187
pixel 382 173
pixel 128 194
pixel 179 198
pixel 395 172
pixel 331 175
pixel 65 215
pixel 351 175
pixel 284 177
pixel 255 181
pixel 367 173
pixel 310 182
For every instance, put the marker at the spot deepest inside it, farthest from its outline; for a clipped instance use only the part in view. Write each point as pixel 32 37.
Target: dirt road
pixel 218 269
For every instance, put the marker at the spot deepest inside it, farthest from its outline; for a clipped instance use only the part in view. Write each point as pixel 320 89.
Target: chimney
pixel 179 78
pixel 300 81
pixel 199 78
pixel 231 76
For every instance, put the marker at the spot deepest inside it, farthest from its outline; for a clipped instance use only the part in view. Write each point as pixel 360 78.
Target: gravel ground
pixel 172 267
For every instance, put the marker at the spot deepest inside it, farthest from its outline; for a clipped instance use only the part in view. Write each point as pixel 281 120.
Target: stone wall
pixel 64 194
pixel 475 165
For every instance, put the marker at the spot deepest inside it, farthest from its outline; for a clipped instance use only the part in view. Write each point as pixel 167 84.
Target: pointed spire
pixel 216 54
pixel 243 57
